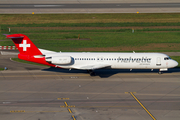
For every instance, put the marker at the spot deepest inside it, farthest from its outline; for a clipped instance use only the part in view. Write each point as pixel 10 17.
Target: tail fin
pixel 28 51
pixel 24 45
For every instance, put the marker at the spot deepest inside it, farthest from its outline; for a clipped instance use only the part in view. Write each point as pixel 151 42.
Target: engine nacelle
pixel 59 59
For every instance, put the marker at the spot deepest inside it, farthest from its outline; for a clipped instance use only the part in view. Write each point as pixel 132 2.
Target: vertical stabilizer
pixel 24 44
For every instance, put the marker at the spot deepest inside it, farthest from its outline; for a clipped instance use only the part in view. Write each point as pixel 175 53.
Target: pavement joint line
pixel 23 111
pixel 76 75
pixel 177 95
pixel 104 106
pixel 131 93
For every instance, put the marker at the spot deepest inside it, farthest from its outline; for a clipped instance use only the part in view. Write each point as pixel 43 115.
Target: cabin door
pixel 158 61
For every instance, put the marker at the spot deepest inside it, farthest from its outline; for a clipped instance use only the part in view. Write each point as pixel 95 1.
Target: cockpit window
pixel 167 58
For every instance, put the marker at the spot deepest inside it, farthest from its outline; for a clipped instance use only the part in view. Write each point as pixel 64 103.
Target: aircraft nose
pixel 174 63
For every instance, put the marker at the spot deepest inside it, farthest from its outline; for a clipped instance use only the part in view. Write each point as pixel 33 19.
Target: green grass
pixel 27 62
pixel 125 24
pixel 37 30
pixel 43 30
pixel 1 68
pixel 89 18
pixel 138 41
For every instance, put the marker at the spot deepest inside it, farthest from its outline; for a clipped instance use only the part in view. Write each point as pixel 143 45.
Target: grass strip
pixel 112 41
pixel 36 30
pixel 1 68
pixel 89 18
pixel 27 62
pixel 126 24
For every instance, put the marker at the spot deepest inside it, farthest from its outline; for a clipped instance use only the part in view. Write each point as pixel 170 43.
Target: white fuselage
pixel 117 60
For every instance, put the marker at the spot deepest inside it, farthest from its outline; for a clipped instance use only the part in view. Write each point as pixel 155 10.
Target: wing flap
pixel 92 67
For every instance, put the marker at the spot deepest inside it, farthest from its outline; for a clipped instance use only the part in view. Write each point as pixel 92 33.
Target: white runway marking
pixel 8 53
pixel 48 5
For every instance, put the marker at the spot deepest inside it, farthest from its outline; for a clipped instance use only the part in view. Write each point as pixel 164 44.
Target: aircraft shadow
pixel 105 73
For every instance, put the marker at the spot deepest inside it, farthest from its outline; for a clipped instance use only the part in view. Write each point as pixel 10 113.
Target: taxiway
pixel 50 93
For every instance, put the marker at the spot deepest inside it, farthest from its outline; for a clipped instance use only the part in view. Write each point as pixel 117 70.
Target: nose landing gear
pixel 160 72
pixel 162 69
pixel 91 72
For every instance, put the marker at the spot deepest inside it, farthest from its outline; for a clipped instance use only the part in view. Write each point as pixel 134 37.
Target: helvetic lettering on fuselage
pixel 137 60
pixel 90 61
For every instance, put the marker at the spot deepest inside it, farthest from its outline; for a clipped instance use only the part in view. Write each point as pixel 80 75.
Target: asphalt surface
pixel 44 95
pixel 112 5
pixel 41 93
pixel 83 1
pixel 49 93
pixel 5 61
pixel 83 6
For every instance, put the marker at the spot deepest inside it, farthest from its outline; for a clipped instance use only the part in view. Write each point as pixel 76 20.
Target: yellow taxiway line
pixel 142 105
pixel 73 117
pixel 70 111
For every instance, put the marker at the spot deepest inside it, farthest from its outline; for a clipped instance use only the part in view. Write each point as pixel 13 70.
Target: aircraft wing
pixel 92 67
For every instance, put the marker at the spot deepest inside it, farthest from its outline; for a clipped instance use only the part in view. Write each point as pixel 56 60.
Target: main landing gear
pixel 91 72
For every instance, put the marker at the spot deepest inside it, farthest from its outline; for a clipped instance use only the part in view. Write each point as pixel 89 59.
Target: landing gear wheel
pixel 91 72
pixel 160 72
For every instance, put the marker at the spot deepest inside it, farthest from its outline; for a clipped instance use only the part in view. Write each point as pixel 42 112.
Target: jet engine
pixel 59 59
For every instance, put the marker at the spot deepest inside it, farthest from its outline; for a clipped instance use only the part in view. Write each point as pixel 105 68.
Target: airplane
pixel 90 61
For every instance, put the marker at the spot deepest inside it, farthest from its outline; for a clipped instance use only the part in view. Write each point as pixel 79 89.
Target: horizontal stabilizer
pixel 43 51
pixel 16 36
